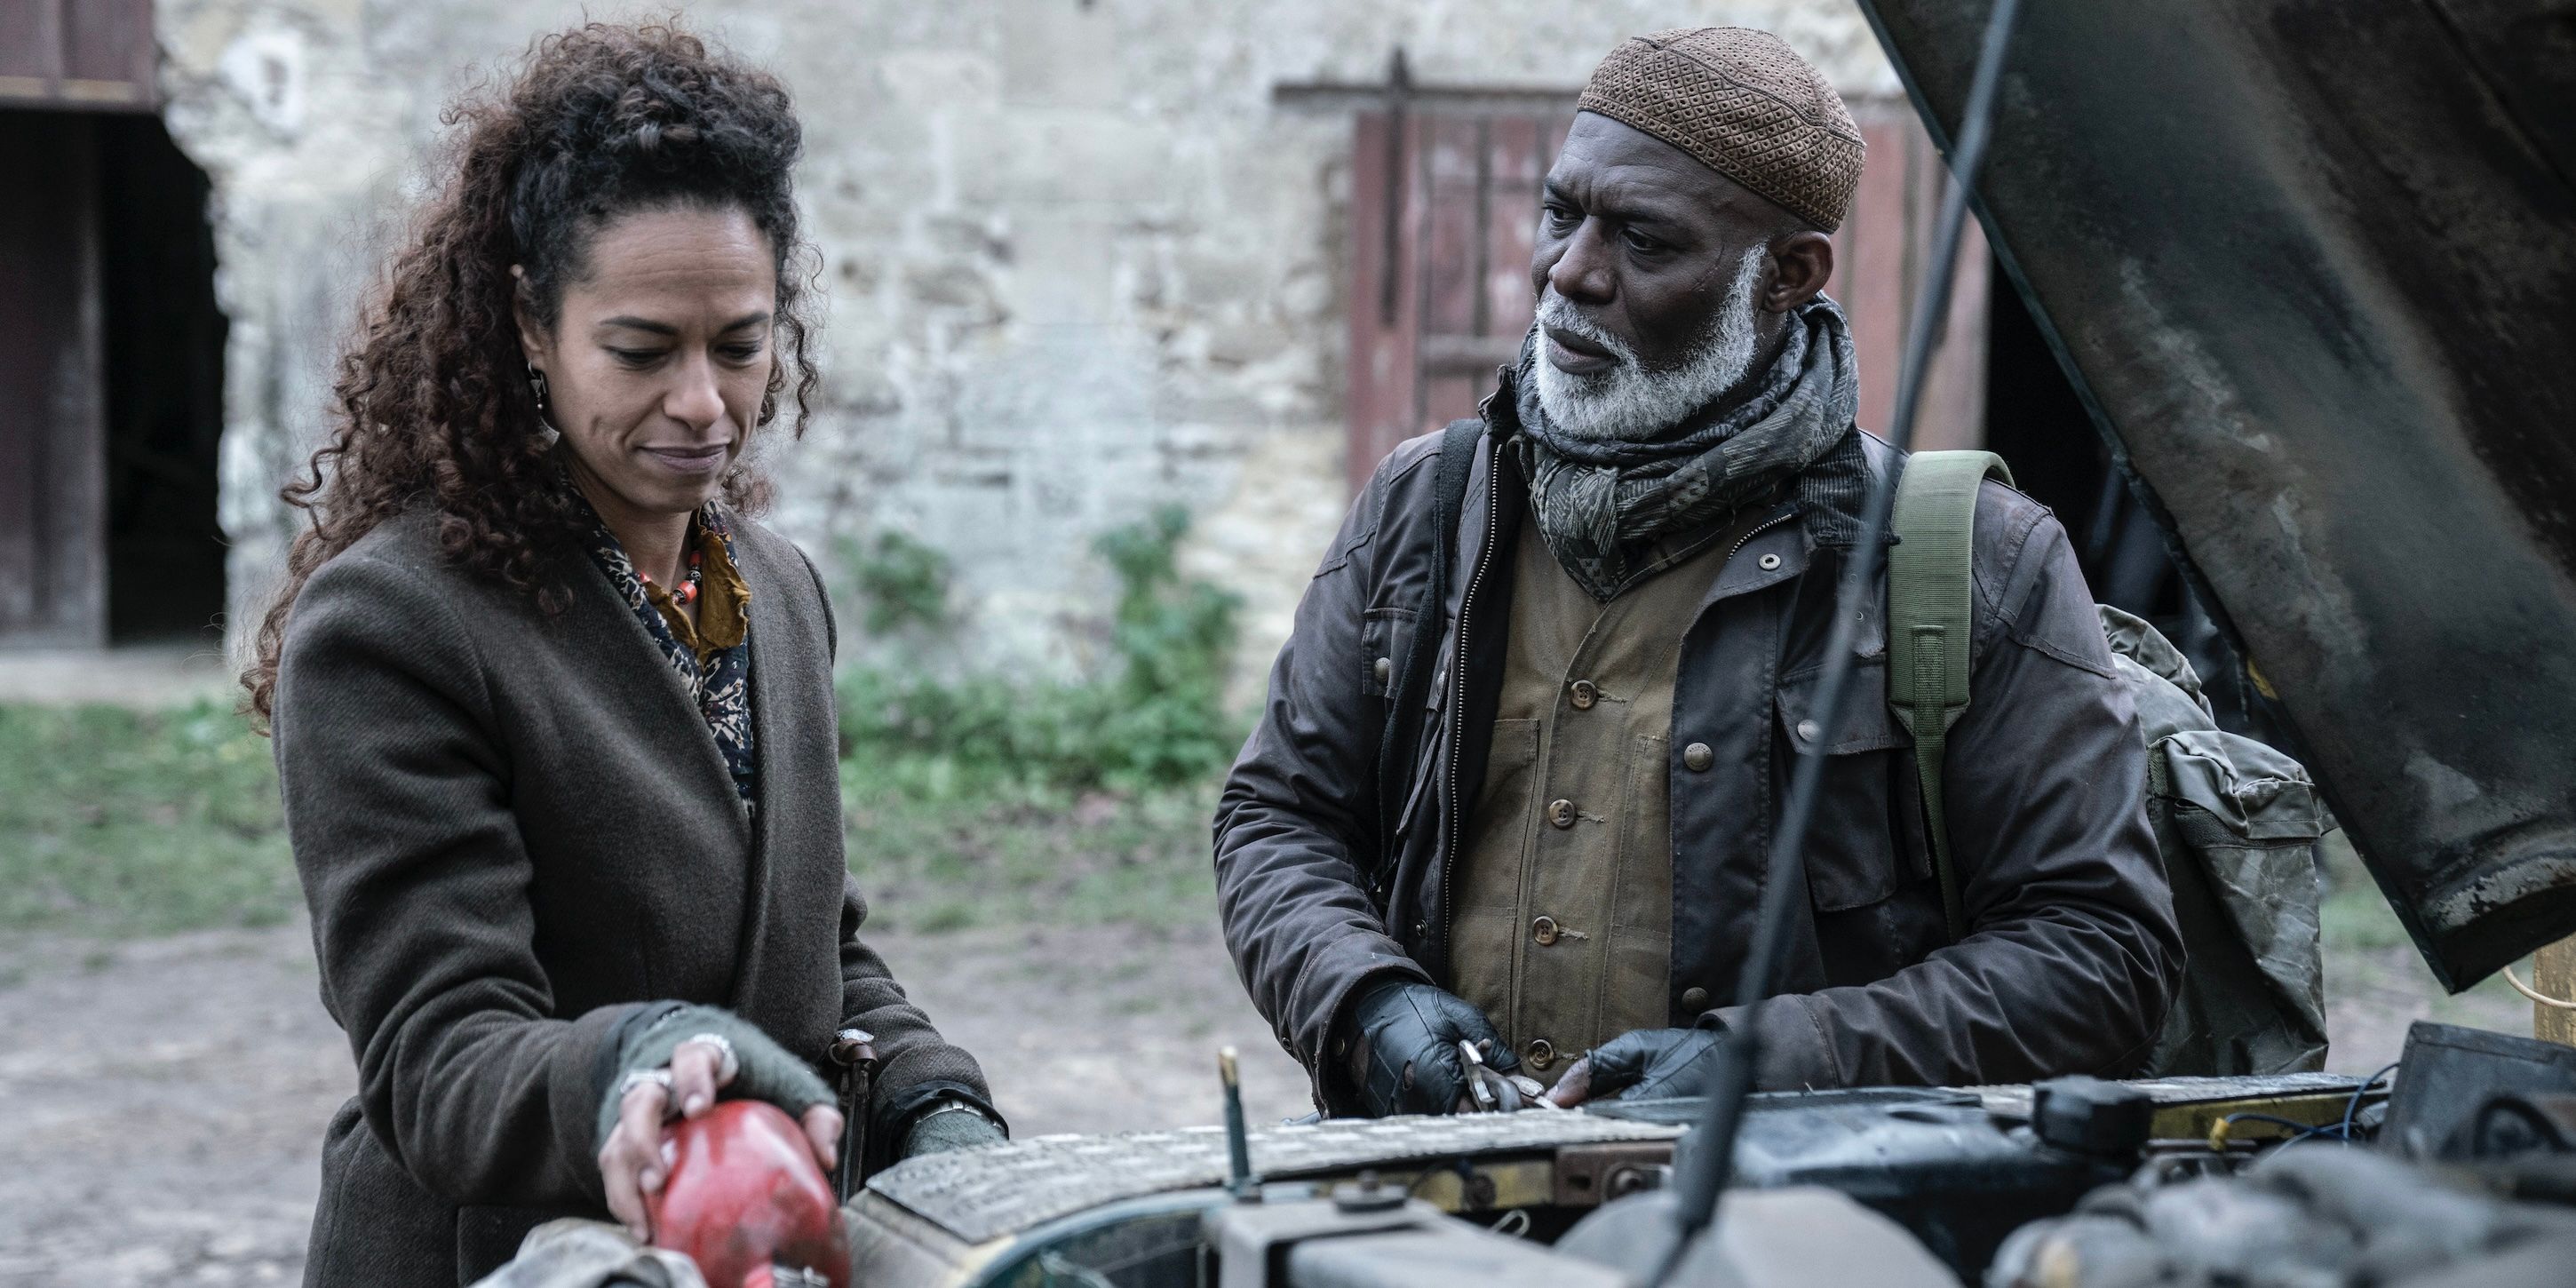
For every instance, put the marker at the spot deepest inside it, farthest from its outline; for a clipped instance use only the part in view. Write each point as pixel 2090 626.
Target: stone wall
pixel 1080 261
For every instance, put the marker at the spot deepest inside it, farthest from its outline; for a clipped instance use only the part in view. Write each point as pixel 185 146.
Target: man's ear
pixel 534 343
pixel 1801 263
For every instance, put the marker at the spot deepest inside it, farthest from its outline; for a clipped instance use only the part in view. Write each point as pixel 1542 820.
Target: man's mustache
pixel 1555 312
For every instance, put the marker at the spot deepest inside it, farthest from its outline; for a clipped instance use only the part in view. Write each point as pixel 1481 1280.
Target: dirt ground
pixel 166 1097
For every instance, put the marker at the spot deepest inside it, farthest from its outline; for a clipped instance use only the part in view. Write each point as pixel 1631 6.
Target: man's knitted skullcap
pixel 1746 106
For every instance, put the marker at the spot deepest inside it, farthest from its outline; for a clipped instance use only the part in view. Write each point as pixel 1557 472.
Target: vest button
pixel 1540 1053
pixel 1385 669
pixel 1585 694
pixel 1561 813
pixel 1697 757
pixel 1808 729
pixel 1544 930
pixel 1694 998
pixel 1768 563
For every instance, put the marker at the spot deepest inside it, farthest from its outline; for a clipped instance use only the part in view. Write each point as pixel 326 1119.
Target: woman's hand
pixel 632 1163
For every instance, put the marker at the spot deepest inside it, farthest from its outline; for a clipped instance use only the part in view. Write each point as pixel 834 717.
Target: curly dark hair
pixel 431 401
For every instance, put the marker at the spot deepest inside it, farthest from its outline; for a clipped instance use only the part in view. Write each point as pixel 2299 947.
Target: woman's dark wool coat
pixel 514 829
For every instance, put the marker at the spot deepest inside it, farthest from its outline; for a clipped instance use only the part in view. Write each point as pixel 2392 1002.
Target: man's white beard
pixel 1627 401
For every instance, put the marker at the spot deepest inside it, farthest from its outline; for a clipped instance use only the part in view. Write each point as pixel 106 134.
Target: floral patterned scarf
pixel 721 688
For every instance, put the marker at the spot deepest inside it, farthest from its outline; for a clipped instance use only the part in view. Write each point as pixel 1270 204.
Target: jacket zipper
pixel 1452 719
pixel 1756 530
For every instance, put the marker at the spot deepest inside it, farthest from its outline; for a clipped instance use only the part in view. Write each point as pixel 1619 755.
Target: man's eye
pixel 1641 243
pixel 1558 218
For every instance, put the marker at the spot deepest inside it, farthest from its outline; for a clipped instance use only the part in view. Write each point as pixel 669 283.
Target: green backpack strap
pixel 1931 610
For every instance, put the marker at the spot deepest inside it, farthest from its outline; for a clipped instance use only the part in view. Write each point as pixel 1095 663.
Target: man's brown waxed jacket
pixel 2072 951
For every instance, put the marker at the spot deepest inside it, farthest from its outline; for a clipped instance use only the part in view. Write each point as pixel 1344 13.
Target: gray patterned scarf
pixel 1600 502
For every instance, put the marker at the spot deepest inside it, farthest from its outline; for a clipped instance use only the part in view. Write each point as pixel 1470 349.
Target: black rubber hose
pixel 1711 1163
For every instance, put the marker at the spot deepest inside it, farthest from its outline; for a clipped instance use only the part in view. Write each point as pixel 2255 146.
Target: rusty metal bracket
pixel 1591 1175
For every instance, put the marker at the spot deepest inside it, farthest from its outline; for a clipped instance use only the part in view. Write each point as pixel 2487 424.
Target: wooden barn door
pixel 1444 201
pixel 53 534
pixel 62 62
pixel 1880 253
pixel 1444 204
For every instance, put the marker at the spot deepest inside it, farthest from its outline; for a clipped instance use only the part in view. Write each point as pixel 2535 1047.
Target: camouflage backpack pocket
pixel 2238 823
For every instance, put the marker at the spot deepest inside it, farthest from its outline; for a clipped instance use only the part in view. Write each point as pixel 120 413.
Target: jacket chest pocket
pixel 1866 839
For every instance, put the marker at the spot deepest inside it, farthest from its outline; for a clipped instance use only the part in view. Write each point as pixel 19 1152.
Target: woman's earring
pixel 537 387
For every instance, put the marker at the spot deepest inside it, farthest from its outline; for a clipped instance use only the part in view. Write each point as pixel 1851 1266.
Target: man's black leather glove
pixel 1405 1037
pixel 1643 1064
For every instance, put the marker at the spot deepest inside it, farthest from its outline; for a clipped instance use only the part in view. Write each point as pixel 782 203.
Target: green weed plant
pixel 1005 800
pixel 1154 718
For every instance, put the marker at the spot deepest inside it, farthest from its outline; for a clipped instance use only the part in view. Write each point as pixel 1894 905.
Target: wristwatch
pixel 948 1106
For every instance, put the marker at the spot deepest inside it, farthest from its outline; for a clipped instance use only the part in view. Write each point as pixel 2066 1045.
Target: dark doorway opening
pixel 2038 424
pixel 111 387
pixel 164 361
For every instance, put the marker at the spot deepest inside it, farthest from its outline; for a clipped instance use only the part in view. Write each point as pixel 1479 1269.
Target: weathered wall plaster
pixel 1079 260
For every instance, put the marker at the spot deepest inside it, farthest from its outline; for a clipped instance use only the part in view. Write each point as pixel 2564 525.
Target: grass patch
pixel 117 821
pixel 1017 854
pixel 1000 800
pixel 967 802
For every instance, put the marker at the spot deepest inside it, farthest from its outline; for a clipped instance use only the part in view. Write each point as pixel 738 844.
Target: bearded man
pixel 1555 854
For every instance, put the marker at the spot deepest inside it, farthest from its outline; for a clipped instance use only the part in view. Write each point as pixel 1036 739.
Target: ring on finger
pixel 727 1065
pixel 649 1077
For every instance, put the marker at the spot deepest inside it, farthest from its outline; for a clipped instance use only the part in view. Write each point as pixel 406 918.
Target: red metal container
pixel 744 1195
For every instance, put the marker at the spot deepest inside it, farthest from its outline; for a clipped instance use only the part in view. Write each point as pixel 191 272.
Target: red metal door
pixel 1879 257
pixel 1444 204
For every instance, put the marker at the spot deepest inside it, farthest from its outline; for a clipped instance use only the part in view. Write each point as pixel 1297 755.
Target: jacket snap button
pixel 1561 813
pixel 1697 757
pixel 1694 998
pixel 1385 669
pixel 1585 695
pixel 1807 730
pixel 1768 562
pixel 1541 1053
pixel 1544 930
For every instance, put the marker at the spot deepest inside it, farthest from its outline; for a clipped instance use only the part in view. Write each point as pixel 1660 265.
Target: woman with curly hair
pixel 553 715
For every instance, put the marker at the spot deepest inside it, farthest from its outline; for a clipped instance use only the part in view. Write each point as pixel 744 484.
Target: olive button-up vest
pixel 1563 921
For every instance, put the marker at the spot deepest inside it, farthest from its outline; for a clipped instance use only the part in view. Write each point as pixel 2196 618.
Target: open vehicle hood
pixel 2312 264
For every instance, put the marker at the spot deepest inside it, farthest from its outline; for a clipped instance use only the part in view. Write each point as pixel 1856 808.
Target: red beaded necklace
pixel 687 594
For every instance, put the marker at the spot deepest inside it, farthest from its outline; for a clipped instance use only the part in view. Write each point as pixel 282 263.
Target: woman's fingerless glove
pixel 764 1069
